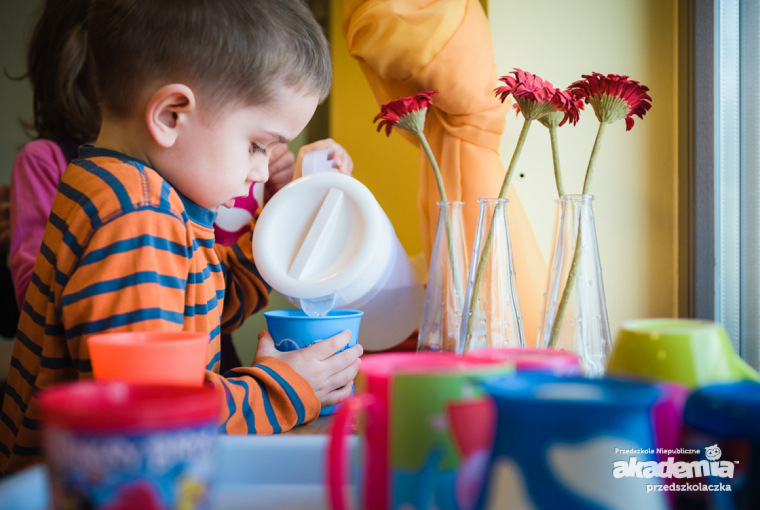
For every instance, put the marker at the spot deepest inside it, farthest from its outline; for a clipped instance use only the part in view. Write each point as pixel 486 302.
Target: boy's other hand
pixel 339 155
pixel 330 373
pixel 281 169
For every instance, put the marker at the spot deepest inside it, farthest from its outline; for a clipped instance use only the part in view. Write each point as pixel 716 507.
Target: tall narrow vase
pixel 492 316
pixel 584 328
pixel 442 315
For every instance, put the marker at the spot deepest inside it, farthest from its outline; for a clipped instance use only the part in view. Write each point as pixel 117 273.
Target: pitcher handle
pixel 336 447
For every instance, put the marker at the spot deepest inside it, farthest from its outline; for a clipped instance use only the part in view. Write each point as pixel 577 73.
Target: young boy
pixel 192 92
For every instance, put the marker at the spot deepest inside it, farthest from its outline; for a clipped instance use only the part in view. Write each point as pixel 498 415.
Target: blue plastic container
pixel 293 329
pixel 558 440
pixel 724 421
pixel 726 410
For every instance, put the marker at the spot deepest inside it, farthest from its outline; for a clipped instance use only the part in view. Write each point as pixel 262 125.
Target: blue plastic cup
pixel 550 427
pixel 293 329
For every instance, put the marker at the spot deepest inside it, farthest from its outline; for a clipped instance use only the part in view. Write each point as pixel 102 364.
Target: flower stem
pixel 515 157
pixel 455 273
pixel 592 159
pixel 433 163
pixel 555 157
pixel 573 274
pixel 487 246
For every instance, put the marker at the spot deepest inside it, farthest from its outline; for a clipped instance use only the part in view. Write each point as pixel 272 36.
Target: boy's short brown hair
pixel 229 51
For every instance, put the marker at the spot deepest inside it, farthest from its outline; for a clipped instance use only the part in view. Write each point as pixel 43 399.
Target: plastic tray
pixel 277 472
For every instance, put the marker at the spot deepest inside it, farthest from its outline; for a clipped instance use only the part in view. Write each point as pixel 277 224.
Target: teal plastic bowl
pixel 293 329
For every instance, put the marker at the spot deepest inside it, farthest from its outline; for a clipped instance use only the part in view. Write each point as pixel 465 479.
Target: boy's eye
pixel 255 149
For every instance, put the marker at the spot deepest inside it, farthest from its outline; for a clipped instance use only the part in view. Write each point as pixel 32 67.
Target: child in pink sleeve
pixel 65 110
pixel 37 170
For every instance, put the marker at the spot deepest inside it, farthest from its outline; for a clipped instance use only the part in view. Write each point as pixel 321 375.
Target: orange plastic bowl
pixel 150 357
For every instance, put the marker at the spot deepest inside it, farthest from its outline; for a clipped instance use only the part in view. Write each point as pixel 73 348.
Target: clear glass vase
pixel 492 316
pixel 585 328
pixel 442 315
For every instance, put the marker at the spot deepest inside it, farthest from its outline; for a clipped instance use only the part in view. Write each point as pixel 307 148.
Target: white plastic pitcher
pixel 325 234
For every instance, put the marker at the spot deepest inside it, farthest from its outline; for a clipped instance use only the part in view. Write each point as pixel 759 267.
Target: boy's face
pixel 218 157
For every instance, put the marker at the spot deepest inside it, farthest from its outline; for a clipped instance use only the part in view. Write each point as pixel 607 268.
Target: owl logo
pixel 712 452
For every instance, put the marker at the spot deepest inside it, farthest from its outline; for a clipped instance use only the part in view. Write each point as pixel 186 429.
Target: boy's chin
pixel 229 204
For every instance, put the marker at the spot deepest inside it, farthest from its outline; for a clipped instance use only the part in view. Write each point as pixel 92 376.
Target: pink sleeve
pixel 37 170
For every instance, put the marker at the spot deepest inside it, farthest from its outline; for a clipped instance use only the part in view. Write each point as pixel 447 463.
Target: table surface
pixel 319 426
pixel 277 473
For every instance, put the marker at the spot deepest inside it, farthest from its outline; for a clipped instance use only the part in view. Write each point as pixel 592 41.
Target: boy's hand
pixel 329 372
pixel 339 155
pixel 281 169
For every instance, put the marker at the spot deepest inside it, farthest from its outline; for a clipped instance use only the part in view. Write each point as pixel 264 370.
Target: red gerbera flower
pixel 568 107
pixel 613 97
pixel 409 113
pixel 525 86
pixel 537 98
pixel 566 102
pixel 405 112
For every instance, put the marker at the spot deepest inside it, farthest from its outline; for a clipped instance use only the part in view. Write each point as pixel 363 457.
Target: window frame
pixel 719 167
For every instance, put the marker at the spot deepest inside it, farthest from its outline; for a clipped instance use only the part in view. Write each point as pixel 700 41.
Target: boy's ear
pixel 167 112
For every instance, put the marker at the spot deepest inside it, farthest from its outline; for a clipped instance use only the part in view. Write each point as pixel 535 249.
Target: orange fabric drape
pixel 405 46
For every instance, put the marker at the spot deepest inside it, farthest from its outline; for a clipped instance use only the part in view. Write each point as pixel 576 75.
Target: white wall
pixel 636 174
pixel 17 18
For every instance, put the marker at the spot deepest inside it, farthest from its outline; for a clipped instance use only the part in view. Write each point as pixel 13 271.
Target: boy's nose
pixel 260 173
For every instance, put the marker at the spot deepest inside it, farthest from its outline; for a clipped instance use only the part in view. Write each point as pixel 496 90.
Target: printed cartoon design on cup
pixel 428 431
pixel 286 345
pixel 115 446
pixel 433 456
pixel 473 445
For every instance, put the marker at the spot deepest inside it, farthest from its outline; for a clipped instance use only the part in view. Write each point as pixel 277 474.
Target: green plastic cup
pixel 689 352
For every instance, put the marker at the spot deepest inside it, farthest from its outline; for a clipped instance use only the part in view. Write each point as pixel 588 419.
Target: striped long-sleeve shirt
pixel 124 251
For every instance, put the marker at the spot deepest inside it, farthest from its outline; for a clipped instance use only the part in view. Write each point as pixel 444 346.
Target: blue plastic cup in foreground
pixel 293 329
pixel 566 442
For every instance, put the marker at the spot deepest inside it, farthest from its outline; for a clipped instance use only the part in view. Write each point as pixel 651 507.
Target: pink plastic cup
pixel 557 362
pixel 375 397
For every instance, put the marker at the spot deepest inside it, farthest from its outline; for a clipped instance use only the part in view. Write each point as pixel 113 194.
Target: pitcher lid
pixel 317 235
